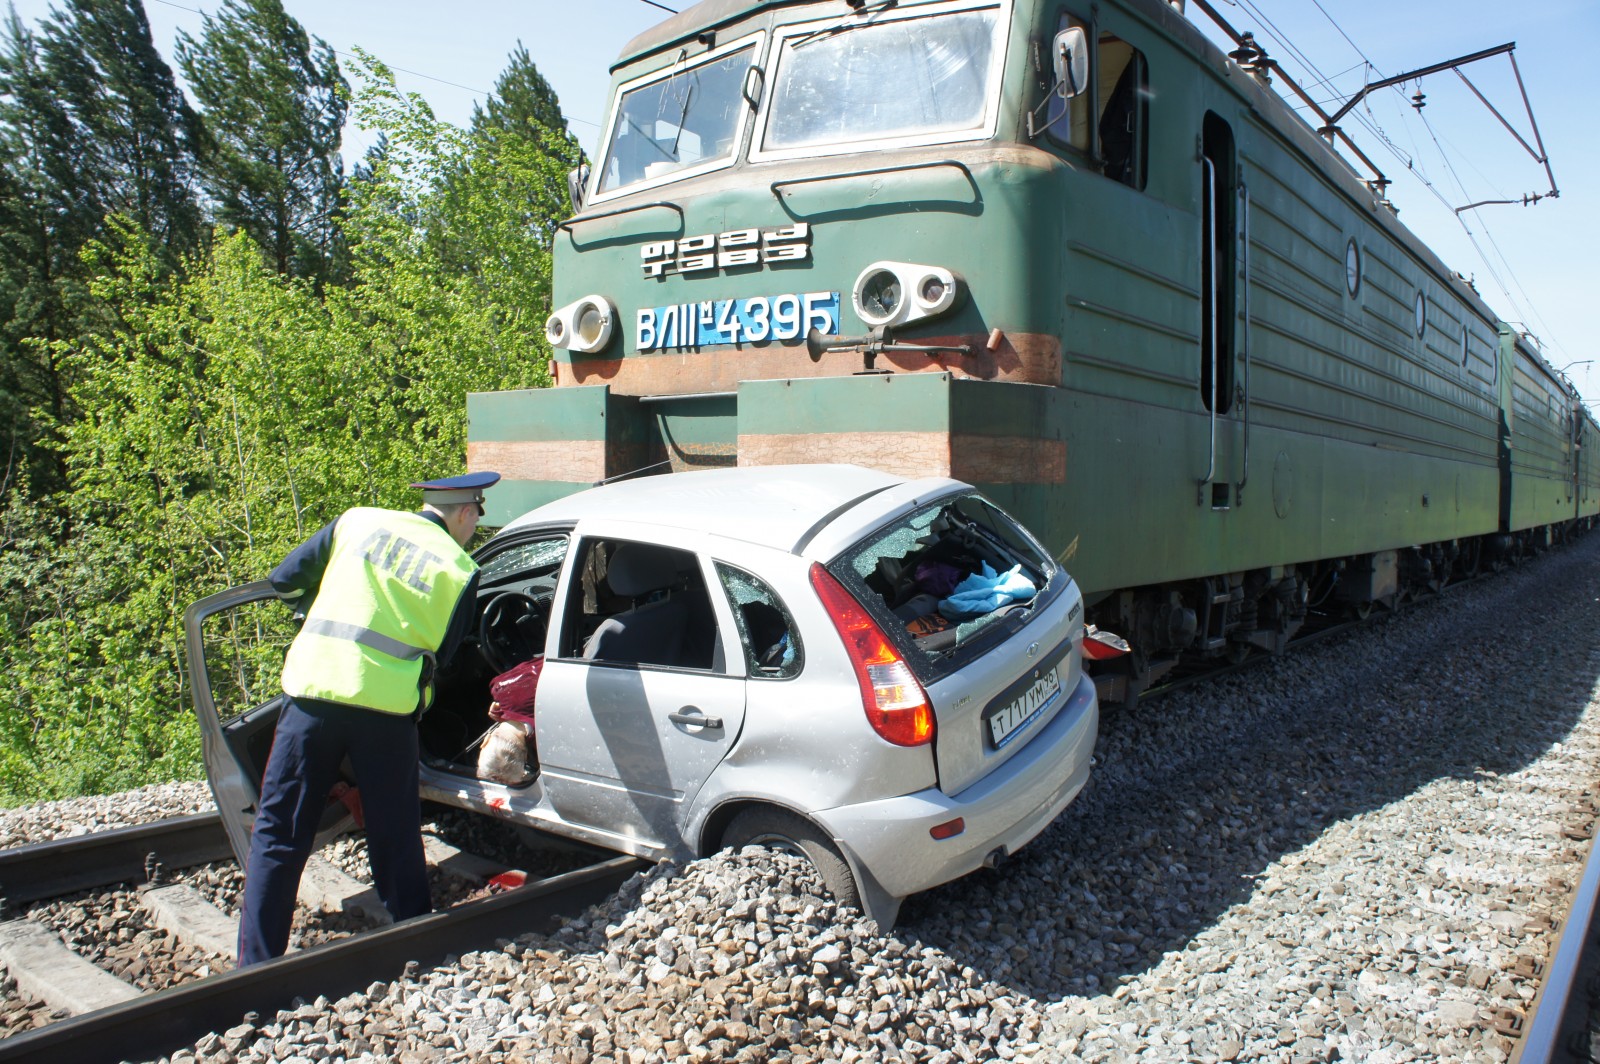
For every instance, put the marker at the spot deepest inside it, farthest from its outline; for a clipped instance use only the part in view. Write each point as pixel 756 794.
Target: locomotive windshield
pixel 913 80
pixel 687 117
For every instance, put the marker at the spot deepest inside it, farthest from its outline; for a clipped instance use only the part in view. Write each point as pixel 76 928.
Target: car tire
pixel 787 832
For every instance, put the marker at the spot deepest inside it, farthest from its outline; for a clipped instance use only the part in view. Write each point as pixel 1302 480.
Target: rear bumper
pixel 889 838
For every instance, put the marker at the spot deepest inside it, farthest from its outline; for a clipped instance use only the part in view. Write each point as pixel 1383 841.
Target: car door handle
pixel 694 716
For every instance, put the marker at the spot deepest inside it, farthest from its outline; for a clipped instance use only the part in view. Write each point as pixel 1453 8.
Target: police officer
pixel 385 595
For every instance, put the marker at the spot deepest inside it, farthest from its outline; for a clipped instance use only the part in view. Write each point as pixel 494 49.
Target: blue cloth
pixel 986 591
pixel 312 740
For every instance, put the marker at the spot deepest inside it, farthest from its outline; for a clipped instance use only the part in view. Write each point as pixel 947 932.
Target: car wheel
pixel 788 832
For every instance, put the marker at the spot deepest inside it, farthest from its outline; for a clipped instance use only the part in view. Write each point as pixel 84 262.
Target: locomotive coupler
pixel 875 343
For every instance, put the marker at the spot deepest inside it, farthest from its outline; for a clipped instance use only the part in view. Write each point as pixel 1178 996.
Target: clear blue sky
pixel 1541 259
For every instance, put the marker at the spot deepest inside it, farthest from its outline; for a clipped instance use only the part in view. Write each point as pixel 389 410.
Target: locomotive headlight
pixel 583 326
pixel 879 297
pixel 897 293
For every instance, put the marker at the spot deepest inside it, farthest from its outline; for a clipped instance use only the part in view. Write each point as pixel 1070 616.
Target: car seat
pixel 654 633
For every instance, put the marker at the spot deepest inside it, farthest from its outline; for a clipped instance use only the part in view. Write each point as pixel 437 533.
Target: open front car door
pixel 235 666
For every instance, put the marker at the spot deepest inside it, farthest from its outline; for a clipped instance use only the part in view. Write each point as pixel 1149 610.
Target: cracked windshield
pixel 873 81
pixel 689 118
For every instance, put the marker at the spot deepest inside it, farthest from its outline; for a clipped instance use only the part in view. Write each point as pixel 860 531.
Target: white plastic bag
pixel 503 755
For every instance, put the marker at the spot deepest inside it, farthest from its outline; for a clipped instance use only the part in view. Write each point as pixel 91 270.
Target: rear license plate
pixel 1006 721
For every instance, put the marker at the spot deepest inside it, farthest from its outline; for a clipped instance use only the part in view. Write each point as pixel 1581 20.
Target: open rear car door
pixel 235 667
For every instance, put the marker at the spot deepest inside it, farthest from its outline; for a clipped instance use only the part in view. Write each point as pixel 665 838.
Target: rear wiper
pixel 846 27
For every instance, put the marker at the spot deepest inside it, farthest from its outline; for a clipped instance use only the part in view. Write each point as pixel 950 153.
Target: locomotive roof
pixel 691 20
pixel 712 14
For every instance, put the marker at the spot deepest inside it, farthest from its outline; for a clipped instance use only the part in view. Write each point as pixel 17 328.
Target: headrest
pixel 638 568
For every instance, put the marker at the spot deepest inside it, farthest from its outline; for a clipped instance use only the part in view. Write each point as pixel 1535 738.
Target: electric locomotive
pixel 1069 252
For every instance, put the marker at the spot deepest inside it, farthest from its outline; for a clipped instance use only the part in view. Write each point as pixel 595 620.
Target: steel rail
pixel 1561 1005
pixel 158 1024
pixel 81 862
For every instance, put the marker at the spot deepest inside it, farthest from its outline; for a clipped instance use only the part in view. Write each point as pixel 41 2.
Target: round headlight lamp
pixel 897 293
pixel 583 326
pixel 594 326
pixel 880 297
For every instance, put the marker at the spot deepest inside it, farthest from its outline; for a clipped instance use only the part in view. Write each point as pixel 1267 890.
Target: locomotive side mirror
pixel 577 181
pixel 1071 51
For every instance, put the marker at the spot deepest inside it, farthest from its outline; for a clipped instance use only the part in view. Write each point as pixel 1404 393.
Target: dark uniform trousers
pixel 312 739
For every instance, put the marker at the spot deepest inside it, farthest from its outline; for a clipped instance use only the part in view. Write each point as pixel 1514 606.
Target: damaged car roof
pixel 775 505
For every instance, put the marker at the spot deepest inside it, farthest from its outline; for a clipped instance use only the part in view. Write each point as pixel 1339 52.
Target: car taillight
pixel 894 701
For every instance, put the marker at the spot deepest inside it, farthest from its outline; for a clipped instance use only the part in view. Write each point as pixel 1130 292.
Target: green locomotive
pixel 1069 252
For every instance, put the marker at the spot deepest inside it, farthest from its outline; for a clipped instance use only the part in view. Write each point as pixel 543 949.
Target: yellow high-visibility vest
pixel 383 608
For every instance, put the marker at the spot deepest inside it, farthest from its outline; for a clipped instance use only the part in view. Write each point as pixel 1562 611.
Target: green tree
pixel 46 214
pixel 523 103
pixel 515 155
pixel 136 131
pixel 227 409
pixel 91 123
pixel 274 106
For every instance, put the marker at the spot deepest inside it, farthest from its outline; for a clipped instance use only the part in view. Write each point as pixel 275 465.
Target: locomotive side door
pixel 1224 269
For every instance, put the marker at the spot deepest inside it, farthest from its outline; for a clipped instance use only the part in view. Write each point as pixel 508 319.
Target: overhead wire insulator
pixel 1247 50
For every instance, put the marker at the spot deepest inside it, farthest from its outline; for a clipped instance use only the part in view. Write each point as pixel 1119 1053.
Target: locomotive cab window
pixel 1123 101
pixel 1118 136
pixel 676 122
pixel 885 77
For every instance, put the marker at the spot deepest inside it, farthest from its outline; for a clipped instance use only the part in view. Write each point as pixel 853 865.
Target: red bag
pixel 514 691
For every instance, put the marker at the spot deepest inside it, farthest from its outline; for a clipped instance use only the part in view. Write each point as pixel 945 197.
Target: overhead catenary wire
pixel 1532 311
pixel 1369 122
pixel 414 73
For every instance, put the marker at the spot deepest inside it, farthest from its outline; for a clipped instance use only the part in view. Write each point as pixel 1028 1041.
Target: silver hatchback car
pixel 883 674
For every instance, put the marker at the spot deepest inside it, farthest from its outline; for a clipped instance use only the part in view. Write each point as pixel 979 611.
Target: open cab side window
pixel 1109 122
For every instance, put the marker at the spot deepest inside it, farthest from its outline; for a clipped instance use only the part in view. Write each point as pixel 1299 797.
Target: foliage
pixel 136 133
pixel 520 120
pixel 91 124
pixel 274 110
pixel 226 409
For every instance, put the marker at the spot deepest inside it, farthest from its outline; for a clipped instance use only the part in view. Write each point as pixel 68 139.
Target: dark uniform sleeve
pixel 299 575
pixel 460 620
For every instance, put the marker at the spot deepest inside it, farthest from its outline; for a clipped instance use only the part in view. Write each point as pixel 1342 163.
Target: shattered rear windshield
pixel 951 571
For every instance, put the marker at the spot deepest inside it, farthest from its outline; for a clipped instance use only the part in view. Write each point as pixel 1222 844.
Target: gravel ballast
pixel 1341 854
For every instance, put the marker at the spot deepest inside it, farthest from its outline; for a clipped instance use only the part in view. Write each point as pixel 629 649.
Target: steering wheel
pixel 512 629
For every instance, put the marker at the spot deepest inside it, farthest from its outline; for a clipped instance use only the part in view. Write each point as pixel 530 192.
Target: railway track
pixel 1561 1027
pixel 1166 904
pixel 111 1019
